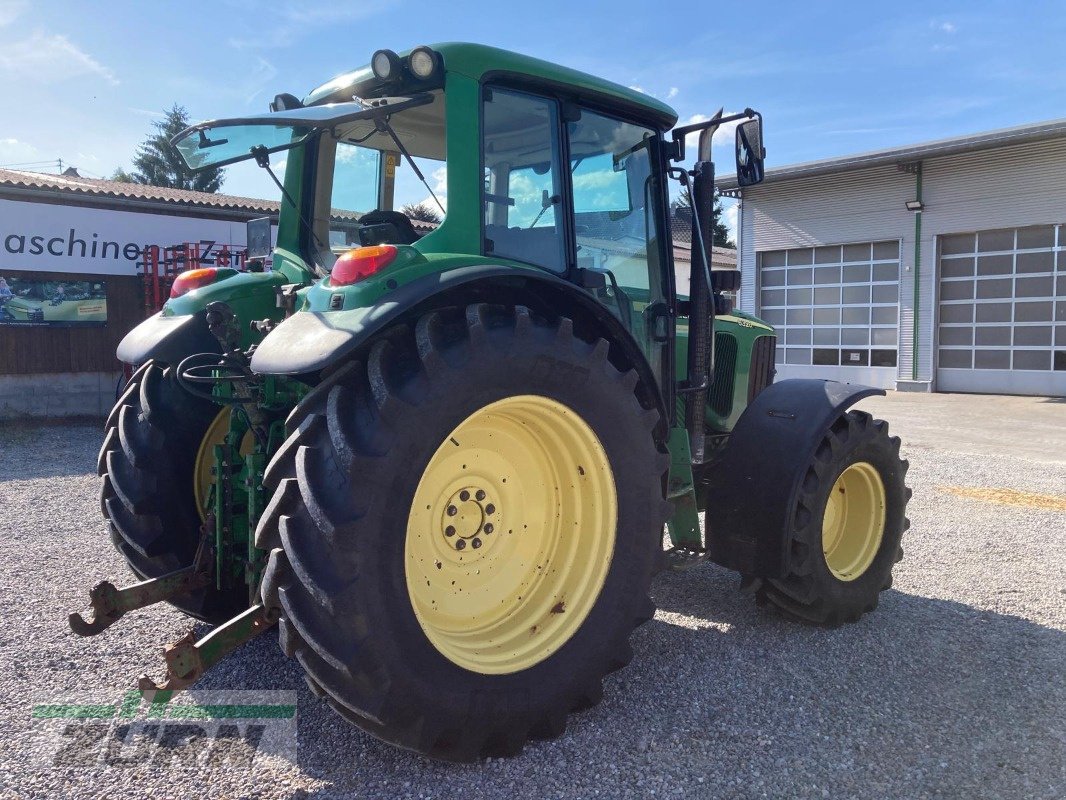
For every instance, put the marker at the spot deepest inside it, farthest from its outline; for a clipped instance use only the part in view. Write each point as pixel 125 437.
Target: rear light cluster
pixel 360 263
pixel 197 278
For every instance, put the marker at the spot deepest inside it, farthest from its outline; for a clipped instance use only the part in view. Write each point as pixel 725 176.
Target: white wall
pixel 1000 188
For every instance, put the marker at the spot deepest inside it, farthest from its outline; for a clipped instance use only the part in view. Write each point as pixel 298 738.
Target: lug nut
pixel 449 531
pixel 480 494
pixel 461 544
pixel 464 495
pixel 489 528
pixel 452 511
pixel 475 543
pixel 490 509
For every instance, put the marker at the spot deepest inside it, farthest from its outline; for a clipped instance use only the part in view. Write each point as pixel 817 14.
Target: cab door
pixel 618 228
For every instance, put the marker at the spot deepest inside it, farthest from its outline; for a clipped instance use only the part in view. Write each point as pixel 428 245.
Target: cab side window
pixel 522 197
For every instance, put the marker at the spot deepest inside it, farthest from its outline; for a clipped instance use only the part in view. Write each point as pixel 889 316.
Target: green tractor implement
pixel 441 464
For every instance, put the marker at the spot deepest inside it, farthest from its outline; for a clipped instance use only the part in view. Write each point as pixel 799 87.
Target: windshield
pixel 380 181
pixel 226 141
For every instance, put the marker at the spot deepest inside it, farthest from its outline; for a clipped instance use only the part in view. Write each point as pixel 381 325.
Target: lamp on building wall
pixel 915 205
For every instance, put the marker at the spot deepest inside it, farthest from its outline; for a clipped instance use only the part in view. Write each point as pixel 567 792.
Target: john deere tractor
pixel 441 460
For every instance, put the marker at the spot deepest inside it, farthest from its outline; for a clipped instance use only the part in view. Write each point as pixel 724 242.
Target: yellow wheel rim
pixel 510 535
pixel 203 478
pixel 854 521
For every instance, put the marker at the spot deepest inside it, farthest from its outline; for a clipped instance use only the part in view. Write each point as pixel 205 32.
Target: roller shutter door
pixel 833 306
pixel 1001 324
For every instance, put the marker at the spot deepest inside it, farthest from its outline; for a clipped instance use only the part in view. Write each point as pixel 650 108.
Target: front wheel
pixel 847 523
pixel 464 530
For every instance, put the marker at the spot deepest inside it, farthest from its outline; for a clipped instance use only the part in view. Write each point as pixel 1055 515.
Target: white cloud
pixel 723 138
pixel 10 10
pixel 261 76
pixel 670 95
pixel 440 180
pixel 289 23
pixel 50 58
pixel 946 27
pixel 638 89
pixel 13 151
pixel 730 219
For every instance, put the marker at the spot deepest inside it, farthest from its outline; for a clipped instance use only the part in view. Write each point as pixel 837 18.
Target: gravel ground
pixel 953 688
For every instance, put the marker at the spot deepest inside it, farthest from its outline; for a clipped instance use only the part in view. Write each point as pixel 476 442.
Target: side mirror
pixel 257 237
pixel 750 152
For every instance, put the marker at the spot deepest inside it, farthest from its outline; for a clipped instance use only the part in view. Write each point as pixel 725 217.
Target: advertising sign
pixel 58 238
pixel 50 302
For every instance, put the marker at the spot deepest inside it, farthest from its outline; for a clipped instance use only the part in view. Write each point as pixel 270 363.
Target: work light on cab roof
pixel 423 63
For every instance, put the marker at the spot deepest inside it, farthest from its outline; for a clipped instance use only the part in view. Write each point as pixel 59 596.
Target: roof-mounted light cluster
pixel 424 64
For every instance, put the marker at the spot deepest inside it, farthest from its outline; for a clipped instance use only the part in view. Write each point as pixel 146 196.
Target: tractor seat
pixel 404 230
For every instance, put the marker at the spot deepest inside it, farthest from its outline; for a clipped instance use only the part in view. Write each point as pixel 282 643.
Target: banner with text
pixel 49 237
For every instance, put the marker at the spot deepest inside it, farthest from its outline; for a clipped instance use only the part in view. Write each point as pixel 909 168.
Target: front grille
pixel 720 395
pixel 762 365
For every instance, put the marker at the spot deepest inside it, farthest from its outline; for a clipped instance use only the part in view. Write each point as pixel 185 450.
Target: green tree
pixel 157 163
pixel 420 211
pixel 683 209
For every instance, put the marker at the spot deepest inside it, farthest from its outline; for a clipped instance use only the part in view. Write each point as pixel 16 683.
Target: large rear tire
pixel 464 529
pixel 847 524
pixel 147 465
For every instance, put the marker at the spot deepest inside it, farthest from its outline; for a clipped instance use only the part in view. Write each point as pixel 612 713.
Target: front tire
pixel 847 523
pixel 400 460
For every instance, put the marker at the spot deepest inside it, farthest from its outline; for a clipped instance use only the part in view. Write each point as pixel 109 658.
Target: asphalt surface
pixel 954 687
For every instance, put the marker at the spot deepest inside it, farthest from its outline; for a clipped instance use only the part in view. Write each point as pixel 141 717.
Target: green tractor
pixel 441 463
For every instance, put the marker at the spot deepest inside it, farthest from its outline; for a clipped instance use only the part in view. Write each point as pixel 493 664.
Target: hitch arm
pixel 188 659
pixel 109 604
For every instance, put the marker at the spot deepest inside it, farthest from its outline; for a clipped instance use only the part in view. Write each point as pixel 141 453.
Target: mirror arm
pixel 679 134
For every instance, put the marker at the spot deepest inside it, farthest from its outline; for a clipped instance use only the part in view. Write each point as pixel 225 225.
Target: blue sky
pixel 82 81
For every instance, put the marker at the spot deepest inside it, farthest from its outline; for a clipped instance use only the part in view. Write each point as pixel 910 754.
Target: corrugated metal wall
pixel 1005 187
pixel 861 206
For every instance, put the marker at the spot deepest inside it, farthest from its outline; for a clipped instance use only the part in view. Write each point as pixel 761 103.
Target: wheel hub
pixel 468 518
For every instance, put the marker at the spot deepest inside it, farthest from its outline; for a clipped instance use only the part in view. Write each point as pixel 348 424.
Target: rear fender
pixel 754 485
pixel 167 339
pixel 181 328
pixel 311 341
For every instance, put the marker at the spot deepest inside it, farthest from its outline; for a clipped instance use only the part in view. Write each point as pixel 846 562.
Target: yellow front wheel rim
pixel 854 521
pixel 510 534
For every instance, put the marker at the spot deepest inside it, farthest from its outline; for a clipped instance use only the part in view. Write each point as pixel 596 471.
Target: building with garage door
pixel 937 267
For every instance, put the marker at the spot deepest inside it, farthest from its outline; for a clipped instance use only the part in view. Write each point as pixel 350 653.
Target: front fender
pixel 754 485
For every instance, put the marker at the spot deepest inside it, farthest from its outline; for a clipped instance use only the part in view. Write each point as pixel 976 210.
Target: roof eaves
pixel 1021 134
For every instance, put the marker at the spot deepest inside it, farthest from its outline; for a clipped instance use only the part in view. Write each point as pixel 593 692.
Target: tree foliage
pixel 682 207
pixel 420 211
pixel 157 163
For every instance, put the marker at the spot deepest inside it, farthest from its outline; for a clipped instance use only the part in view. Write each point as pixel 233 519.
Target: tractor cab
pixel 526 165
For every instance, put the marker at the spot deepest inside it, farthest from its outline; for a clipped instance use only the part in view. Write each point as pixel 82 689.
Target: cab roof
pixel 481 62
